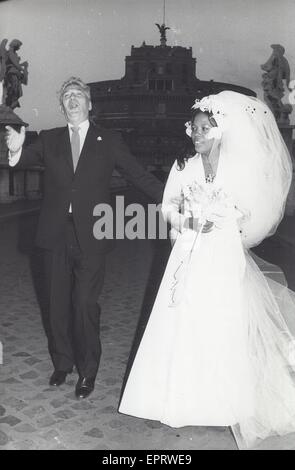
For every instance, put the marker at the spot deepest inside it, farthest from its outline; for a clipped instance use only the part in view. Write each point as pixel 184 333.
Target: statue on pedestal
pixel 277 71
pixel 13 72
pixel 3 59
pixel 162 28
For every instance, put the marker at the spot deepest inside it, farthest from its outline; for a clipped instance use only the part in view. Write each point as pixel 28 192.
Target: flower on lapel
pixel 99 138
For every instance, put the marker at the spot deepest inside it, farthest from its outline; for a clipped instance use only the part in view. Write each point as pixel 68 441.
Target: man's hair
pixel 75 82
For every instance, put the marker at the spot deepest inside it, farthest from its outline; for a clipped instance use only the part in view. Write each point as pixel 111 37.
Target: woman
pixel 217 350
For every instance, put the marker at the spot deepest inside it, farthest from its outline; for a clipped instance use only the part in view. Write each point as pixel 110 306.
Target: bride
pixel 218 348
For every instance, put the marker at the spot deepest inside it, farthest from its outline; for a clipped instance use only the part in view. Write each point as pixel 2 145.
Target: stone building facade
pixel 151 103
pixel 149 106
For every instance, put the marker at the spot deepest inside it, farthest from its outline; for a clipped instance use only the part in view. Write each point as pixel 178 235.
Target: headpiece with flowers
pixel 208 104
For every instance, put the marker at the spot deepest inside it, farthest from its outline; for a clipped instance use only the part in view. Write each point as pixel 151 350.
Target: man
pixel 79 160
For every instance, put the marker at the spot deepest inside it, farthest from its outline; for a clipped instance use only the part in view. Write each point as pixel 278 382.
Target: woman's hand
pixel 208 227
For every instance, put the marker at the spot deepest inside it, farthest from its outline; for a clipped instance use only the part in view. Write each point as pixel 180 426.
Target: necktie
pixel 75 144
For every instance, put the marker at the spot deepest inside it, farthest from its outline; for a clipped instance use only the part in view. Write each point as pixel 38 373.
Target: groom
pixel 79 160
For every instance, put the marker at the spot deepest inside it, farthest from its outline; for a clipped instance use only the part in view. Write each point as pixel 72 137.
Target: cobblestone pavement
pixel 36 416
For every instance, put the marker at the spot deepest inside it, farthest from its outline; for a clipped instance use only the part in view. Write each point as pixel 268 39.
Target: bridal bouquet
pixel 207 202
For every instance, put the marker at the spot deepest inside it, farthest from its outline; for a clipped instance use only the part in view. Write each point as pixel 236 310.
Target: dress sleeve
pixel 172 203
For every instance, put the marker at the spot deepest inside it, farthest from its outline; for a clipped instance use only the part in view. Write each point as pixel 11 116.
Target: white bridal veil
pixel 258 164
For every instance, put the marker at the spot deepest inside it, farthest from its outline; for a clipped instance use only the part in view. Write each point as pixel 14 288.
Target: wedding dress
pixel 219 347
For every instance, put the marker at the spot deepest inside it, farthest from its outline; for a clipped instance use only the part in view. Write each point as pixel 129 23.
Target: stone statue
pixel 14 72
pixel 1 92
pixel 3 59
pixel 277 71
pixel 162 28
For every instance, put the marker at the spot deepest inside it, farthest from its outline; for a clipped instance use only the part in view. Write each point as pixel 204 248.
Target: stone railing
pixel 17 184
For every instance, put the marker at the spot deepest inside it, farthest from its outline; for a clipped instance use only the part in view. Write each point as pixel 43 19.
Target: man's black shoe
pixel 58 377
pixel 84 387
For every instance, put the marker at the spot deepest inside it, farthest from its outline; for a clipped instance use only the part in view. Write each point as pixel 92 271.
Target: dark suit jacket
pixel 84 189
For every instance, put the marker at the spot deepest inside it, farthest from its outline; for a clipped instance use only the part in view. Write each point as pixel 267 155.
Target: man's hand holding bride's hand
pixel 208 226
pixel 194 224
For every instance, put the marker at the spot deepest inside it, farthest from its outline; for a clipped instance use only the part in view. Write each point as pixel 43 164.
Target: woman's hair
pixel 188 150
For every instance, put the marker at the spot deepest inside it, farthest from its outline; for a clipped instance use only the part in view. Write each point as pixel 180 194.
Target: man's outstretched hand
pixel 14 139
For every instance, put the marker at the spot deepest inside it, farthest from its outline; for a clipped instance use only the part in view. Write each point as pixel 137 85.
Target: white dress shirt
pixel 13 159
pixel 83 128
